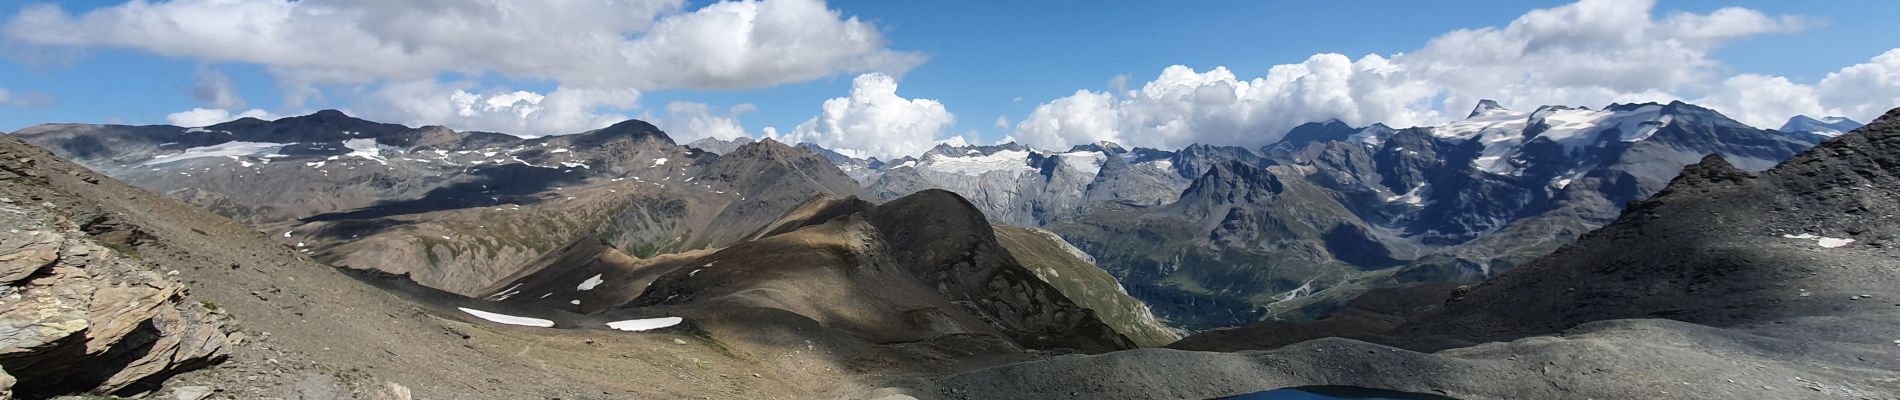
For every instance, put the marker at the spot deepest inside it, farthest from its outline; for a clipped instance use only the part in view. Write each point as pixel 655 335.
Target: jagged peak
pixel 1101 146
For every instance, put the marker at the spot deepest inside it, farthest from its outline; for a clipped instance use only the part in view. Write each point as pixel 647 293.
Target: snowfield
pixel 225 149
pixel 1011 161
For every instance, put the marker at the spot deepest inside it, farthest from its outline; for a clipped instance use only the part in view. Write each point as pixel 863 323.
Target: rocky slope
pixel 1075 274
pixel 1726 284
pixel 922 270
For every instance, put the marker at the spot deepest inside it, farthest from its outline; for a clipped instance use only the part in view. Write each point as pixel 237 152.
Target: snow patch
pixel 507 319
pixel 367 149
pixel 659 161
pixel 1823 241
pixel 590 283
pixel 647 324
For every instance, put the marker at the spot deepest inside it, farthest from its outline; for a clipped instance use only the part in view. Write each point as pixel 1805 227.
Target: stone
pixel 6 385
pixel 24 253
pixel 191 393
pixel 391 391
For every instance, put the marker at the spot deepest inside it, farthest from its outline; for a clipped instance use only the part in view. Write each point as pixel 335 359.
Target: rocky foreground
pixel 81 315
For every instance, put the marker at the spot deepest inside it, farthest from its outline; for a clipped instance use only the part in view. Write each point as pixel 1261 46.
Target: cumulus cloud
pixel 600 52
pixel 464 106
pixel 641 44
pixel 1861 92
pixel 874 121
pixel 215 89
pixel 687 121
pixel 1763 101
pixel 1592 52
pixel 198 117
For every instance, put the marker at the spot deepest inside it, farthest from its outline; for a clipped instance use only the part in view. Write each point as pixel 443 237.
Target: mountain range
pixel 1216 236
pixel 616 263
pixel 1208 236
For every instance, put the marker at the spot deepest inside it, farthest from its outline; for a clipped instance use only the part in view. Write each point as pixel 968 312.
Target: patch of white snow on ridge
pixel 366 148
pixel 225 149
pixel 647 324
pixel 1638 124
pixel 590 283
pixel 659 161
pixel 1572 127
pixel 1165 165
pixel 508 319
pixel 1413 197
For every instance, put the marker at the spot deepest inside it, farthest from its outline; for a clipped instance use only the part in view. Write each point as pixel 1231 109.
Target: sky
pixel 887 79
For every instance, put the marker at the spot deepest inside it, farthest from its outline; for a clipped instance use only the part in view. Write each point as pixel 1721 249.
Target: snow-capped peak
pixel 1485 107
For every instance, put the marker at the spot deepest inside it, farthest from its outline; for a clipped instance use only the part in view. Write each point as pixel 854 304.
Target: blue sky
pixel 979 60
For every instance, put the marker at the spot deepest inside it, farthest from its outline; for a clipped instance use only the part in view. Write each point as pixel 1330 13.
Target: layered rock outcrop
pixel 79 316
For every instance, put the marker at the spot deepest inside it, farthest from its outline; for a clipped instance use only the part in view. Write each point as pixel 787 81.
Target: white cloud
pixel 874 121
pixel 1763 101
pixel 600 52
pixel 198 117
pixel 1592 53
pixel 687 121
pixel 640 44
pixel 215 89
pixel 1861 92
pixel 1002 122
pixel 463 106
